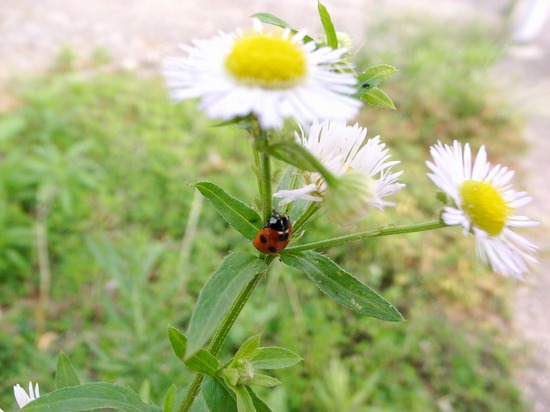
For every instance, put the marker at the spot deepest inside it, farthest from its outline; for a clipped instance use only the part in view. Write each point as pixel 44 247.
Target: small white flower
pixel 270 74
pixel 22 397
pixel 485 205
pixel 344 150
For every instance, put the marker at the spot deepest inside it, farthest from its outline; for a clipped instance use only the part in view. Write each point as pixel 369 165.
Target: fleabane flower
pixel 22 397
pixel 364 175
pixel 271 74
pixel 484 205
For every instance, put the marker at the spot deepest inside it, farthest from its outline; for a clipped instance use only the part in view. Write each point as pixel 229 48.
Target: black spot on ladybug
pixel 283 236
pixel 263 239
pixel 272 249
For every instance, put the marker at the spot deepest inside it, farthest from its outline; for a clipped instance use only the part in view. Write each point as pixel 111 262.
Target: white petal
pixel 507 253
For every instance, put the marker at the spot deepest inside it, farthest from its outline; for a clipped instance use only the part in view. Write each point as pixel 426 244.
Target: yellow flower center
pixel 485 206
pixel 260 59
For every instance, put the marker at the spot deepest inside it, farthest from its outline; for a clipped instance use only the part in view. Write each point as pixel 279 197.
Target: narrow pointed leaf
pixel 218 295
pixel 65 374
pixel 378 98
pixel 264 380
pixel 341 286
pixel 237 214
pixel 217 396
pixel 248 348
pixel 332 39
pixel 170 399
pixel 244 400
pixel 202 361
pixel 274 358
pixel 90 396
pixel 271 19
pixel 258 403
pixel 178 341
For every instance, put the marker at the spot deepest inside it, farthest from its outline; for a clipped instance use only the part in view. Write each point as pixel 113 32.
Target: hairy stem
pixel 219 338
pixel 312 208
pixel 367 235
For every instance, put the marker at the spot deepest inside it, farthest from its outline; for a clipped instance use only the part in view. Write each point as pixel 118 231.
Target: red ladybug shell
pixel 274 236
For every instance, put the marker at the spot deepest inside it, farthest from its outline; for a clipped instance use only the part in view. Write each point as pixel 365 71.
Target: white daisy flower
pixel 270 74
pixel 365 175
pixel 22 397
pixel 485 205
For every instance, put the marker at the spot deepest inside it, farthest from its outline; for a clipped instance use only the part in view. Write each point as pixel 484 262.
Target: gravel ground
pixel 140 33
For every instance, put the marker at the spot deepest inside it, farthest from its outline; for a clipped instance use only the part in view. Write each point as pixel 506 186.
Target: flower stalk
pixel 220 336
pixel 369 234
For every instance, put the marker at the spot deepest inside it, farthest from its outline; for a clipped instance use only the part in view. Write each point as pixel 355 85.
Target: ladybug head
pixel 278 222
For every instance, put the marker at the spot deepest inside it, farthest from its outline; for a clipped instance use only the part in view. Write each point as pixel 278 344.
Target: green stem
pixel 263 167
pixel 312 208
pixel 367 235
pixel 225 327
pixel 268 192
pixel 220 336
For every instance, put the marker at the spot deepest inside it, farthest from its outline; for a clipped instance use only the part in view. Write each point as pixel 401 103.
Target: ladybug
pixel 274 236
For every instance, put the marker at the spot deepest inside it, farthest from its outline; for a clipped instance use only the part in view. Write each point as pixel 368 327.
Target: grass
pixel 108 161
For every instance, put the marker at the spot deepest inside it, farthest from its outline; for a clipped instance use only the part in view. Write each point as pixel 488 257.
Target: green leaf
pixel 217 396
pixel 231 376
pixel 378 98
pixel 65 374
pixel 375 75
pixel 90 396
pixel 244 400
pixel 258 403
pixel 271 19
pixel 248 348
pixel 332 39
pixel 170 399
pixel 202 361
pixel 274 358
pixel 178 341
pixel 239 216
pixel 264 380
pixel 145 391
pixel 340 285
pixel 297 155
pixel 218 296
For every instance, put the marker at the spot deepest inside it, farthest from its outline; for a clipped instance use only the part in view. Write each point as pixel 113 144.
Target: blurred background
pixel 103 243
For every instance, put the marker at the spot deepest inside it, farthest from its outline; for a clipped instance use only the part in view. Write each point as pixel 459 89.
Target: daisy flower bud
pixel 350 198
pixel 363 172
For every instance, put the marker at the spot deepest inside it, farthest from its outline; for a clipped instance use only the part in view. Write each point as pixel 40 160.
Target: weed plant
pixel 102 162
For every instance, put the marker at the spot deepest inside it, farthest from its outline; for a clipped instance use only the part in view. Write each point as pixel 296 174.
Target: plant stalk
pixel 219 338
pixel 312 208
pixel 367 235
